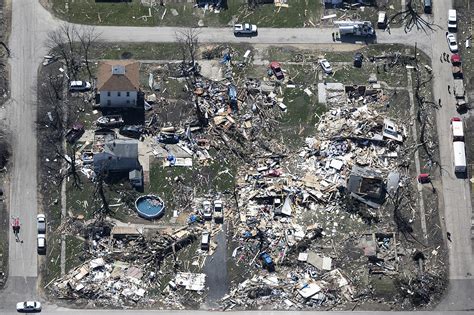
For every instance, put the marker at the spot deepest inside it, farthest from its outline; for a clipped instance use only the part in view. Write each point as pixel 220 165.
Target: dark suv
pixel 132 131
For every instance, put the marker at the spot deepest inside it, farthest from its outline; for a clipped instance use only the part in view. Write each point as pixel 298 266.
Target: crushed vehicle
pixel 276 70
pixel 132 131
pixel 75 133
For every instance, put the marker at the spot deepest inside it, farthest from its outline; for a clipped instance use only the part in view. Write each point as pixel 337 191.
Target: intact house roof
pixel 118 75
pixel 367 186
pixel 119 156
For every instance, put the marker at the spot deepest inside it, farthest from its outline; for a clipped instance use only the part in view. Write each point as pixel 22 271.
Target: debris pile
pixel 123 267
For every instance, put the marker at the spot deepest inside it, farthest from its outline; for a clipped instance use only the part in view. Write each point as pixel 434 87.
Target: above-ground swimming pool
pixel 150 206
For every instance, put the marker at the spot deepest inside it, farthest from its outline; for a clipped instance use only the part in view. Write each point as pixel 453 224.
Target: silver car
pixel 28 306
pixel 41 223
pixel 245 29
pixel 326 66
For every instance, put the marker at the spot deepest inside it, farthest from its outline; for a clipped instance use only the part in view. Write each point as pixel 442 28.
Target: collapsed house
pixel 367 186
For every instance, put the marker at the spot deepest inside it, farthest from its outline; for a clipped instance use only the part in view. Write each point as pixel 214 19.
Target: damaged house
pixel 367 186
pixel 118 159
pixel 118 84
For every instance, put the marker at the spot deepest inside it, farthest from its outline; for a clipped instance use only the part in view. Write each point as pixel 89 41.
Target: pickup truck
pixel 245 29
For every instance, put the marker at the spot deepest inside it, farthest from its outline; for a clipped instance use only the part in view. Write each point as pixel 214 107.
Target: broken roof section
pixel 118 75
pixel 367 186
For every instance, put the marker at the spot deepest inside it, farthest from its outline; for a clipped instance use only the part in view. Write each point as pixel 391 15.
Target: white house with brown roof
pixel 118 83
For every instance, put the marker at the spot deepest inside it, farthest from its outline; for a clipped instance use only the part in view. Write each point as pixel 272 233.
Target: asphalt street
pixel 456 192
pixel 30 26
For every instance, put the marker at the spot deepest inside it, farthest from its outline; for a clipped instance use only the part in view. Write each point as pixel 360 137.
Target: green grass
pixel 141 51
pixel 52 268
pixel 89 12
pixel 300 119
pixel 74 250
pixel 200 179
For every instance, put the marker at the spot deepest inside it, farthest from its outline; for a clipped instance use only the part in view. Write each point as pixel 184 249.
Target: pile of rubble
pixel 124 266
pixel 355 155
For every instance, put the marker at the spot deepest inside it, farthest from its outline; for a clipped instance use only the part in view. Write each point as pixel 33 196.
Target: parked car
pixel 41 223
pixel 206 210
pixel 245 29
pixel 41 242
pixel 28 306
pixel 218 211
pixel 452 43
pixel 326 66
pixel 276 70
pixel 132 131
pixel 79 86
pixel 452 20
pixel 358 58
pixel 205 240
pixel 75 133
pixel 110 121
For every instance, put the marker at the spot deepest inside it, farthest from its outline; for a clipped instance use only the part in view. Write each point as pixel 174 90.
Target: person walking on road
pixel 449 89
pixel 333 38
pixel 448 235
pixel 439 102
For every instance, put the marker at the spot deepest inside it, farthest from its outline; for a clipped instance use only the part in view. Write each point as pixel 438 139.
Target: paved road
pixel 56 311
pixel 26 45
pixel 456 193
pixel 30 24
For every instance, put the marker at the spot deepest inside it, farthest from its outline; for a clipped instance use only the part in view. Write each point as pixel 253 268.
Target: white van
pixel 452 20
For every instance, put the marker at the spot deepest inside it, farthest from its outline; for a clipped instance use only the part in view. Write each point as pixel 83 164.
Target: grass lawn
pixel 133 13
pixel 74 250
pixel 141 51
pixel 52 268
pixel 199 179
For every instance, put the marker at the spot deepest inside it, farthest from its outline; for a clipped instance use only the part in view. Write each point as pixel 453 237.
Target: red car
pixel 276 69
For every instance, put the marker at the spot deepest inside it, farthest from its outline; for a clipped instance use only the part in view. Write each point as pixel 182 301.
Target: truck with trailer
pixel 457 129
pixel 356 28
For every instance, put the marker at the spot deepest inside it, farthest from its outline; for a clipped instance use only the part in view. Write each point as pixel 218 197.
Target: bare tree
pixel 100 193
pixel 412 18
pixel 88 38
pixel 188 44
pixel 71 167
pixel 65 42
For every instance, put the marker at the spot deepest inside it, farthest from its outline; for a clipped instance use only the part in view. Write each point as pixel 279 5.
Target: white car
pixel 218 211
pixel 326 66
pixel 452 43
pixel 452 20
pixel 206 210
pixel 41 241
pixel 79 86
pixel 28 306
pixel 245 29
